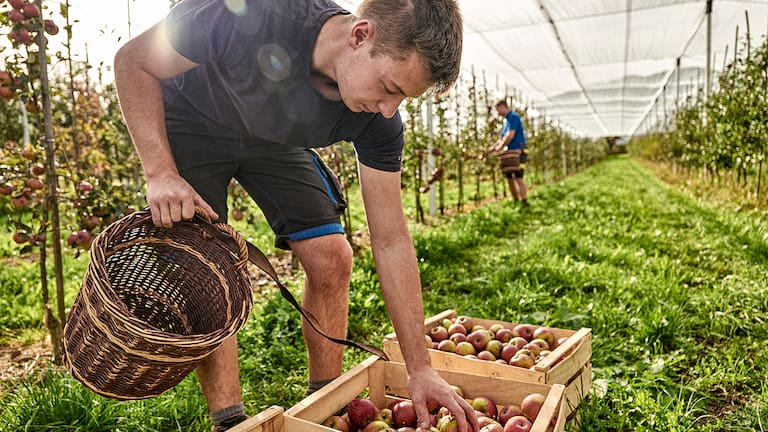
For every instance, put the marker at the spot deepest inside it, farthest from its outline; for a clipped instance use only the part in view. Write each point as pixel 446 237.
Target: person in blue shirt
pixel 512 139
pixel 246 90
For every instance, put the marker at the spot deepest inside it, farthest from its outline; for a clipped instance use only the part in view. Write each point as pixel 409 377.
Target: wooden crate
pixel 383 381
pixel 573 370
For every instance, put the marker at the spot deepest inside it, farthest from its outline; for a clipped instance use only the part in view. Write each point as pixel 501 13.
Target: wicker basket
pixel 154 302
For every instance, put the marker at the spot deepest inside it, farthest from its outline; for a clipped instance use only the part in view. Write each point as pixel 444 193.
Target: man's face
pixel 378 84
pixel 502 110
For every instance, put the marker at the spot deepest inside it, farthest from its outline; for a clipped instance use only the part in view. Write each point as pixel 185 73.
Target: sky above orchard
pixel 99 28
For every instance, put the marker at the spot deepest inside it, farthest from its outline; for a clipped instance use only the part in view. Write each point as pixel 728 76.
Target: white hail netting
pixel 601 66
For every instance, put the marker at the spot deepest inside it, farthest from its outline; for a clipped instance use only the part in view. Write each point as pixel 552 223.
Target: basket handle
pixel 256 256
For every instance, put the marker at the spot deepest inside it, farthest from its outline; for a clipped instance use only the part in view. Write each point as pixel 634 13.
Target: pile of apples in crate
pixel 400 416
pixel 523 345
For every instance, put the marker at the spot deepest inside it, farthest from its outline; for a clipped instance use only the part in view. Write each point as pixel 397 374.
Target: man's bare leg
pixel 513 188
pixel 327 263
pixel 219 376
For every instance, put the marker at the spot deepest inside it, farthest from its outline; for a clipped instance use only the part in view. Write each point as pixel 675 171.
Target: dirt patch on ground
pixel 17 362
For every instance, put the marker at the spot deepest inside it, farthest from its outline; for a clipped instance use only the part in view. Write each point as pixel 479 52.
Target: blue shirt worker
pixel 512 140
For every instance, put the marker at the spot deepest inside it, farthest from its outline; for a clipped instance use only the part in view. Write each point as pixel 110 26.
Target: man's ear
pixel 362 31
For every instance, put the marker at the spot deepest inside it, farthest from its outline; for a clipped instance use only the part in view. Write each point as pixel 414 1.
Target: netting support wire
pixel 708 70
pixel 668 76
pixel 628 25
pixel 548 16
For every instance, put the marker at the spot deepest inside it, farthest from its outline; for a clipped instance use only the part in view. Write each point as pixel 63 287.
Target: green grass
pixel 673 288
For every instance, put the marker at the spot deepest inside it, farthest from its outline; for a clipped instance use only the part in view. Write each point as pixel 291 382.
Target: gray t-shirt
pixel 253 80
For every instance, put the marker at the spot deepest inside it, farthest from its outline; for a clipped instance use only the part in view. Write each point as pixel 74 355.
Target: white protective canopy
pixel 600 67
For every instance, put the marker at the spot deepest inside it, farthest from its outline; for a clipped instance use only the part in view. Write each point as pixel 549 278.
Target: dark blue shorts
pixel 300 197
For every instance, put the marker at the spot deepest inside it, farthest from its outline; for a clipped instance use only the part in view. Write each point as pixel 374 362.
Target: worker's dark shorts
pixel 298 194
pixel 521 172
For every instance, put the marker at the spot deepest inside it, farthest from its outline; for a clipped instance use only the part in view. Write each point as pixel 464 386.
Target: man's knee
pixel 325 257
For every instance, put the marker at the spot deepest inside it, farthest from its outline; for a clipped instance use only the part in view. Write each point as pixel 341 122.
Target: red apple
pixel 361 411
pixel 85 186
pixel 458 337
pixel 38 169
pixel 465 348
pixel 29 152
pixel 17 4
pixel 486 355
pixel 338 423
pixel 543 345
pixel 83 239
pixel 446 345
pixel 20 35
pixel 404 414
pixel 30 10
pixel 438 333
pixel 35 183
pixel 377 426
pixel 532 347
pixel 508 352
pixel 432 406
pixel 523 361
pixel 495 327
pixel 6 80
pixel 479 339
pixel 20 237
pixel 495 346
pixel 38 238
pixel 544 334
pixel 531 405
pixel 50 27
pixel 518 424
pixel 503 334
pixel 19 202
pixel 508 411
pixel 518 341
pixel 15 15
pixel 524 330
pixel 6 189
pixel 486 406
pixel 385 415
pixel 457 328
pixel 492 427
pixel 466 321
pixel 6 92
pixel 428 342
